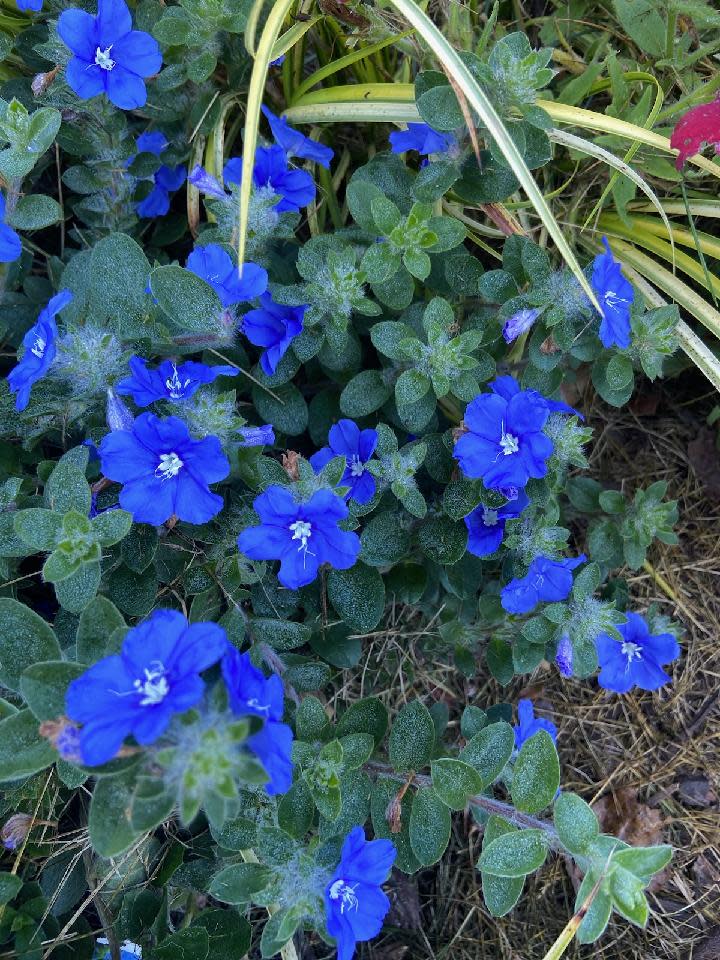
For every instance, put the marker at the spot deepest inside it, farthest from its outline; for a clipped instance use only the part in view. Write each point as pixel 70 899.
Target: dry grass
pixel 648 761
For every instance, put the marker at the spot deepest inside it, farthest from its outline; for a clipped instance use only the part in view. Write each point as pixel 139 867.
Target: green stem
pixel 670 34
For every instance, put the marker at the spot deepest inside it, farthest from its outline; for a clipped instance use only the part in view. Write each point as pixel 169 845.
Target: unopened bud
pixel 117 412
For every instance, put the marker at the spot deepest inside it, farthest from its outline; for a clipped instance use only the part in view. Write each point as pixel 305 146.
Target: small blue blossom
pixel 251 692
pixel 165 179
pixel 152 141
pixel 10 243
pixel 295 144
pixel 170 381
pixel 128 950
pixel 214 265
pixel 519 323
pixel 564 656
pixel 164 471
pixel 486 525
pixel 279 62
pixel 508 387
pixel 347 440
pixel 271 174
pixel 421 137
pixel 504 444
pixel 616 296
pixel 355 903
pixel 637 659
pixel 528 724
pixel 300 535
pixel 257 436
pixel 547 581
pixel 118 415
pixel 34 5
pixel 273 326
pixel 40 349
pixel 136 692
pixel 109 56
pixel 206 183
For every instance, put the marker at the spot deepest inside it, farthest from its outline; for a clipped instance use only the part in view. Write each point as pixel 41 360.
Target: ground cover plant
pixel 308 313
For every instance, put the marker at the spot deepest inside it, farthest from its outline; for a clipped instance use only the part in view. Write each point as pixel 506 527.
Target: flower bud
pixel 117 413
pixel 257 436
pixel 564 656
pixel 15 829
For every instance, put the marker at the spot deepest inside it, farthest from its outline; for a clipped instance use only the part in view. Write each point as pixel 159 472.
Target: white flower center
pixel 38 348
pixel 490 517
pixel 613 300
pixel 509 443
pixel 302 531
pixel 357 469
pixel 169 466
pixel 345 893
pixel 154 687
pixel 175 387
pixel 256 705
pixel 103 58
pixel 632 651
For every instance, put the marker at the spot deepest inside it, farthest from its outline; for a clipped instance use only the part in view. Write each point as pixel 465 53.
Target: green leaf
pixel 98 622
pixel 500 893
pixel 444 540
pixel 412 738
pixel 514 854
pixel 185 298
pixel 430 824
pixel 25 638
pixel 43 685
pixel 644 861
pixel 190 944
pixel 110 527
pixel 384 793
pixel 38 527
pixel 229 934
pixel 536 774
pixel 10 886
pixel 365 716
pixel 109 826
pixel 34 212
pixel 489 751
pixel 411 386
pixel 76 592
pixel 500 660
pixel 296 810
pixel 364 394
pixel 642 20
pixel 598 914
pixel 288 413
pixel 280 634
pixel 310 719
pixel 22 750
pixel 239 883
pixel 628 897
pixel 455 782
pixel 118 274
pixel 576 824
pixel 67 489
pixel 358 595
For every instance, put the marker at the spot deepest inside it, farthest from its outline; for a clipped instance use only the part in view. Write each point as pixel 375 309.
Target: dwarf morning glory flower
pixel 504 444
pixel 257 436
pixel 508 387
pixel 295 188
pixel 347 440
pixel 164 471
pixel 616 295
pixel 528 724
pixel 40 349
pixel 205 183
pixel 355 903
pixel 109 56
pixel 166 181
pixel 170 381
pixel 519 323
pixel 295 144
pixel 34 5
pixel 300 535
pixel 279 62
pixel 547 581
pixel 564 656
pixel 214 265
pixel 152 141
pixel 136 692
pixel 251 692
pixel 421 137
pixel 637 659
pixel 273 326
pixel 486 525
pixel 10 243
pixel 118 415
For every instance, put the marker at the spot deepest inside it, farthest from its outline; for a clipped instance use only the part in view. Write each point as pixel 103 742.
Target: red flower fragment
pixel 699 125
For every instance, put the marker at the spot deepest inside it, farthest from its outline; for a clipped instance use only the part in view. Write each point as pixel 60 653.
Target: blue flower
pixel 504 444
pixel 508 387
pixel 355 903
pixel 295 144
pixel 206 183
pixel 257 436
pixel 486 525
pixel 170 381
pixel 295 188
pixel 118 415
pixel 528 724
pixel 165 179
pixel 637 659
pixel 421 137
pixel 564 656
pixel 300 535
pixel 273 326
pixel 137 691
pixel 109 56
pixel 251 692
pixel 164 471
pixel 214 265
pixel 40 349
pixel 616 296
pixel 152 141
pixel 347 440
pixel 519 323
pixel 128 950
pixel 547 581
pixel 34 5
pixel 10 243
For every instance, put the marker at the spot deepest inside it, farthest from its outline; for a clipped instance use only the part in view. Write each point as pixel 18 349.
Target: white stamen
pixel 509 443
pixel 357 469
pixel 154 687
pixel 38 348
pixel 169 466
pixel 346 894
pixel 613 300
pixel 103 58
pixel 490 517
pixel 176 388
pixel 256 705
pixel 302 531
pixel 632 651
